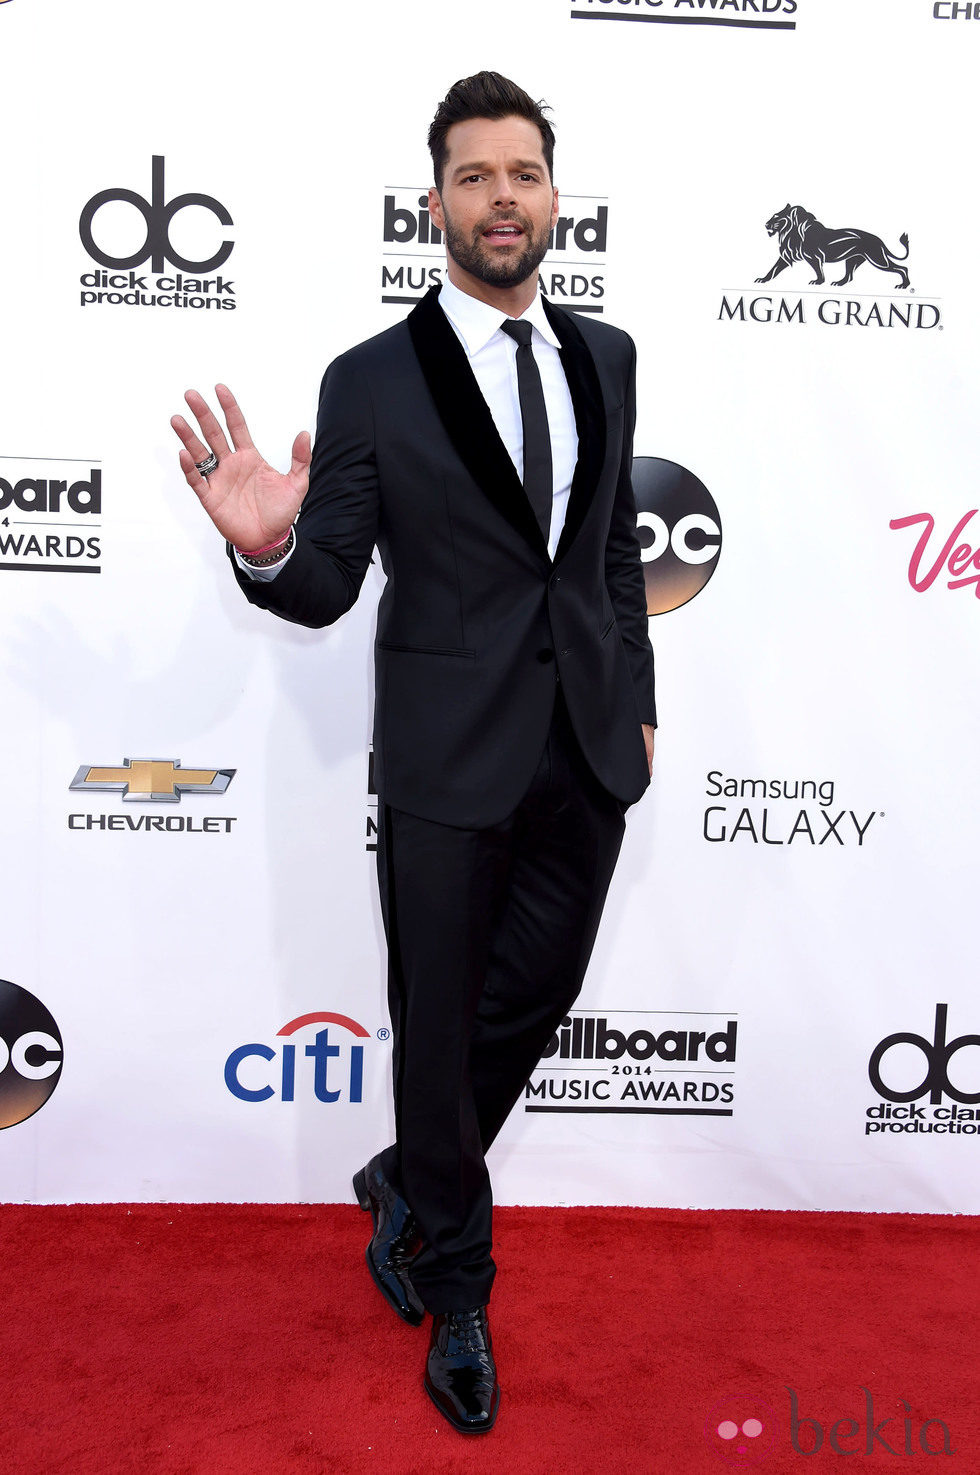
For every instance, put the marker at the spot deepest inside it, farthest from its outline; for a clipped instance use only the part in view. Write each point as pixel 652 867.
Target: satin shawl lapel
pixel 466 417
pixel 590 419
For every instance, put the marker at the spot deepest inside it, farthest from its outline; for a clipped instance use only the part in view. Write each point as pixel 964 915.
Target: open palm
pixel 250 503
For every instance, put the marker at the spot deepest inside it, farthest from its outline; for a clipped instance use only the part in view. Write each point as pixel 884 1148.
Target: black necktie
pixel 538 476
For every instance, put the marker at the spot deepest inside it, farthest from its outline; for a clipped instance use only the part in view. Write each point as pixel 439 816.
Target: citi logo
pixel 590 1037
pixel 329 1068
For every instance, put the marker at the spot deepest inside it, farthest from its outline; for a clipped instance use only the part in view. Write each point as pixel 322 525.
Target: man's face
pixel 497 204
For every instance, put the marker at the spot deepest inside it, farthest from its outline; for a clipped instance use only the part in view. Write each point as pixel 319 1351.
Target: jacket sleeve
pixel 624 569
pixel 337 526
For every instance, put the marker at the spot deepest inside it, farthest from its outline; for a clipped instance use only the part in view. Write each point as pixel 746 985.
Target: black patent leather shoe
pixel 395 1243
pixel 460 1374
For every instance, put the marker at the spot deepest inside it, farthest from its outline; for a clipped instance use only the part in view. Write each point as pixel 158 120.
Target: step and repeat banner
pixel 776 198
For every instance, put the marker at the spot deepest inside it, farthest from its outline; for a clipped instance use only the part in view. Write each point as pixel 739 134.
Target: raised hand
pixel 250 503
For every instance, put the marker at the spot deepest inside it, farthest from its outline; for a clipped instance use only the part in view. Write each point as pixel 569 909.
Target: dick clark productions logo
pixel 30 1054
pixel 106 240
pixel 937 1055
pixel 921 1068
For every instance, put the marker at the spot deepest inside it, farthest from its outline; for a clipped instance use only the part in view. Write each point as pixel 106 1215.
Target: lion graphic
pixel 803 238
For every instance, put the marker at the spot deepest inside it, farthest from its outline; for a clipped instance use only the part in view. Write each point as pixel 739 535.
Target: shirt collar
pixel 476 321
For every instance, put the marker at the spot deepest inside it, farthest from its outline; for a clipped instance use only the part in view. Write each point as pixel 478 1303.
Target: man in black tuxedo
pixel 484 446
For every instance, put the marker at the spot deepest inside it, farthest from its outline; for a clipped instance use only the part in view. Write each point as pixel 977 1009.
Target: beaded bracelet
pixel 279 551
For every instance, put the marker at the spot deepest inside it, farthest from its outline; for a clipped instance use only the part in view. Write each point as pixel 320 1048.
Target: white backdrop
pixel 164 936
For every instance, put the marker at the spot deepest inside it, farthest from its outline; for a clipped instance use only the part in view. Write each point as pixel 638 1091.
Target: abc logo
pixel 30 1054
pixel 679 531
pixel 158 214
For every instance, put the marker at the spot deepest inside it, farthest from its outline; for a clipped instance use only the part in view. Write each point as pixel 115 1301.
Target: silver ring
pixel 208 465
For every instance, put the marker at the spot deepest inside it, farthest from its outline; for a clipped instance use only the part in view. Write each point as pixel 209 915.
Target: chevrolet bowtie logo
pixel 161 780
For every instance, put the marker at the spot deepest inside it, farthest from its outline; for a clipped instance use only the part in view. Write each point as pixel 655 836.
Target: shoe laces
pixel 466 1329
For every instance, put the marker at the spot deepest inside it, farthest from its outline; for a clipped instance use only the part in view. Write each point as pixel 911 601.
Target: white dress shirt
pixel 492 355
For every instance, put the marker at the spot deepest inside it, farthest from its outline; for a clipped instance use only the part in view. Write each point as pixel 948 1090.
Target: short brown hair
pixel 485 95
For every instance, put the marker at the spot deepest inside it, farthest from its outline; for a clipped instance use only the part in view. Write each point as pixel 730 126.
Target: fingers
pixel 302 454
pixel 208 421
pixel 237 428
pixel 194 477
pixel 195 480
pixel 192 444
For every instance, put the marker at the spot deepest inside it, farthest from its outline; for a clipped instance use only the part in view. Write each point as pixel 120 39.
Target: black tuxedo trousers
pixel 510 690
pixel 489 935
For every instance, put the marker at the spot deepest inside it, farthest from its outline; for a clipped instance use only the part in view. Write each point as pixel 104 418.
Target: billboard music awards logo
pixel 679 530
pixel 632 1062
pixel 371 823
pixel 906 1069
pixel 328 1068
pixel 930 558
pixel 782 812
pixel 49 508
pixel 808 248
pixel 572 274
pixel 152 781
pixel 31 1054
pixel 755 15
pixel 123 232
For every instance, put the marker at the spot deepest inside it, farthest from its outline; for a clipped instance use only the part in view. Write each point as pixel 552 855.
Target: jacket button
pixel 545 656
pixel 555 581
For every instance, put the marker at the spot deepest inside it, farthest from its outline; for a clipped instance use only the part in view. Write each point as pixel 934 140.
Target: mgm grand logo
pixel 803 239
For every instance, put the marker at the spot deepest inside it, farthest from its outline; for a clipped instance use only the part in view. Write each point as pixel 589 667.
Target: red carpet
pixel 202 1338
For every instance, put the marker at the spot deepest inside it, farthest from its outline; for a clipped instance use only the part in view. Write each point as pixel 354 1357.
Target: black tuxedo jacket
pixel 475 620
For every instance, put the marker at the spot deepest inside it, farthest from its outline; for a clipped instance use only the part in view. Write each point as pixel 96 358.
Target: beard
pixel 491 265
